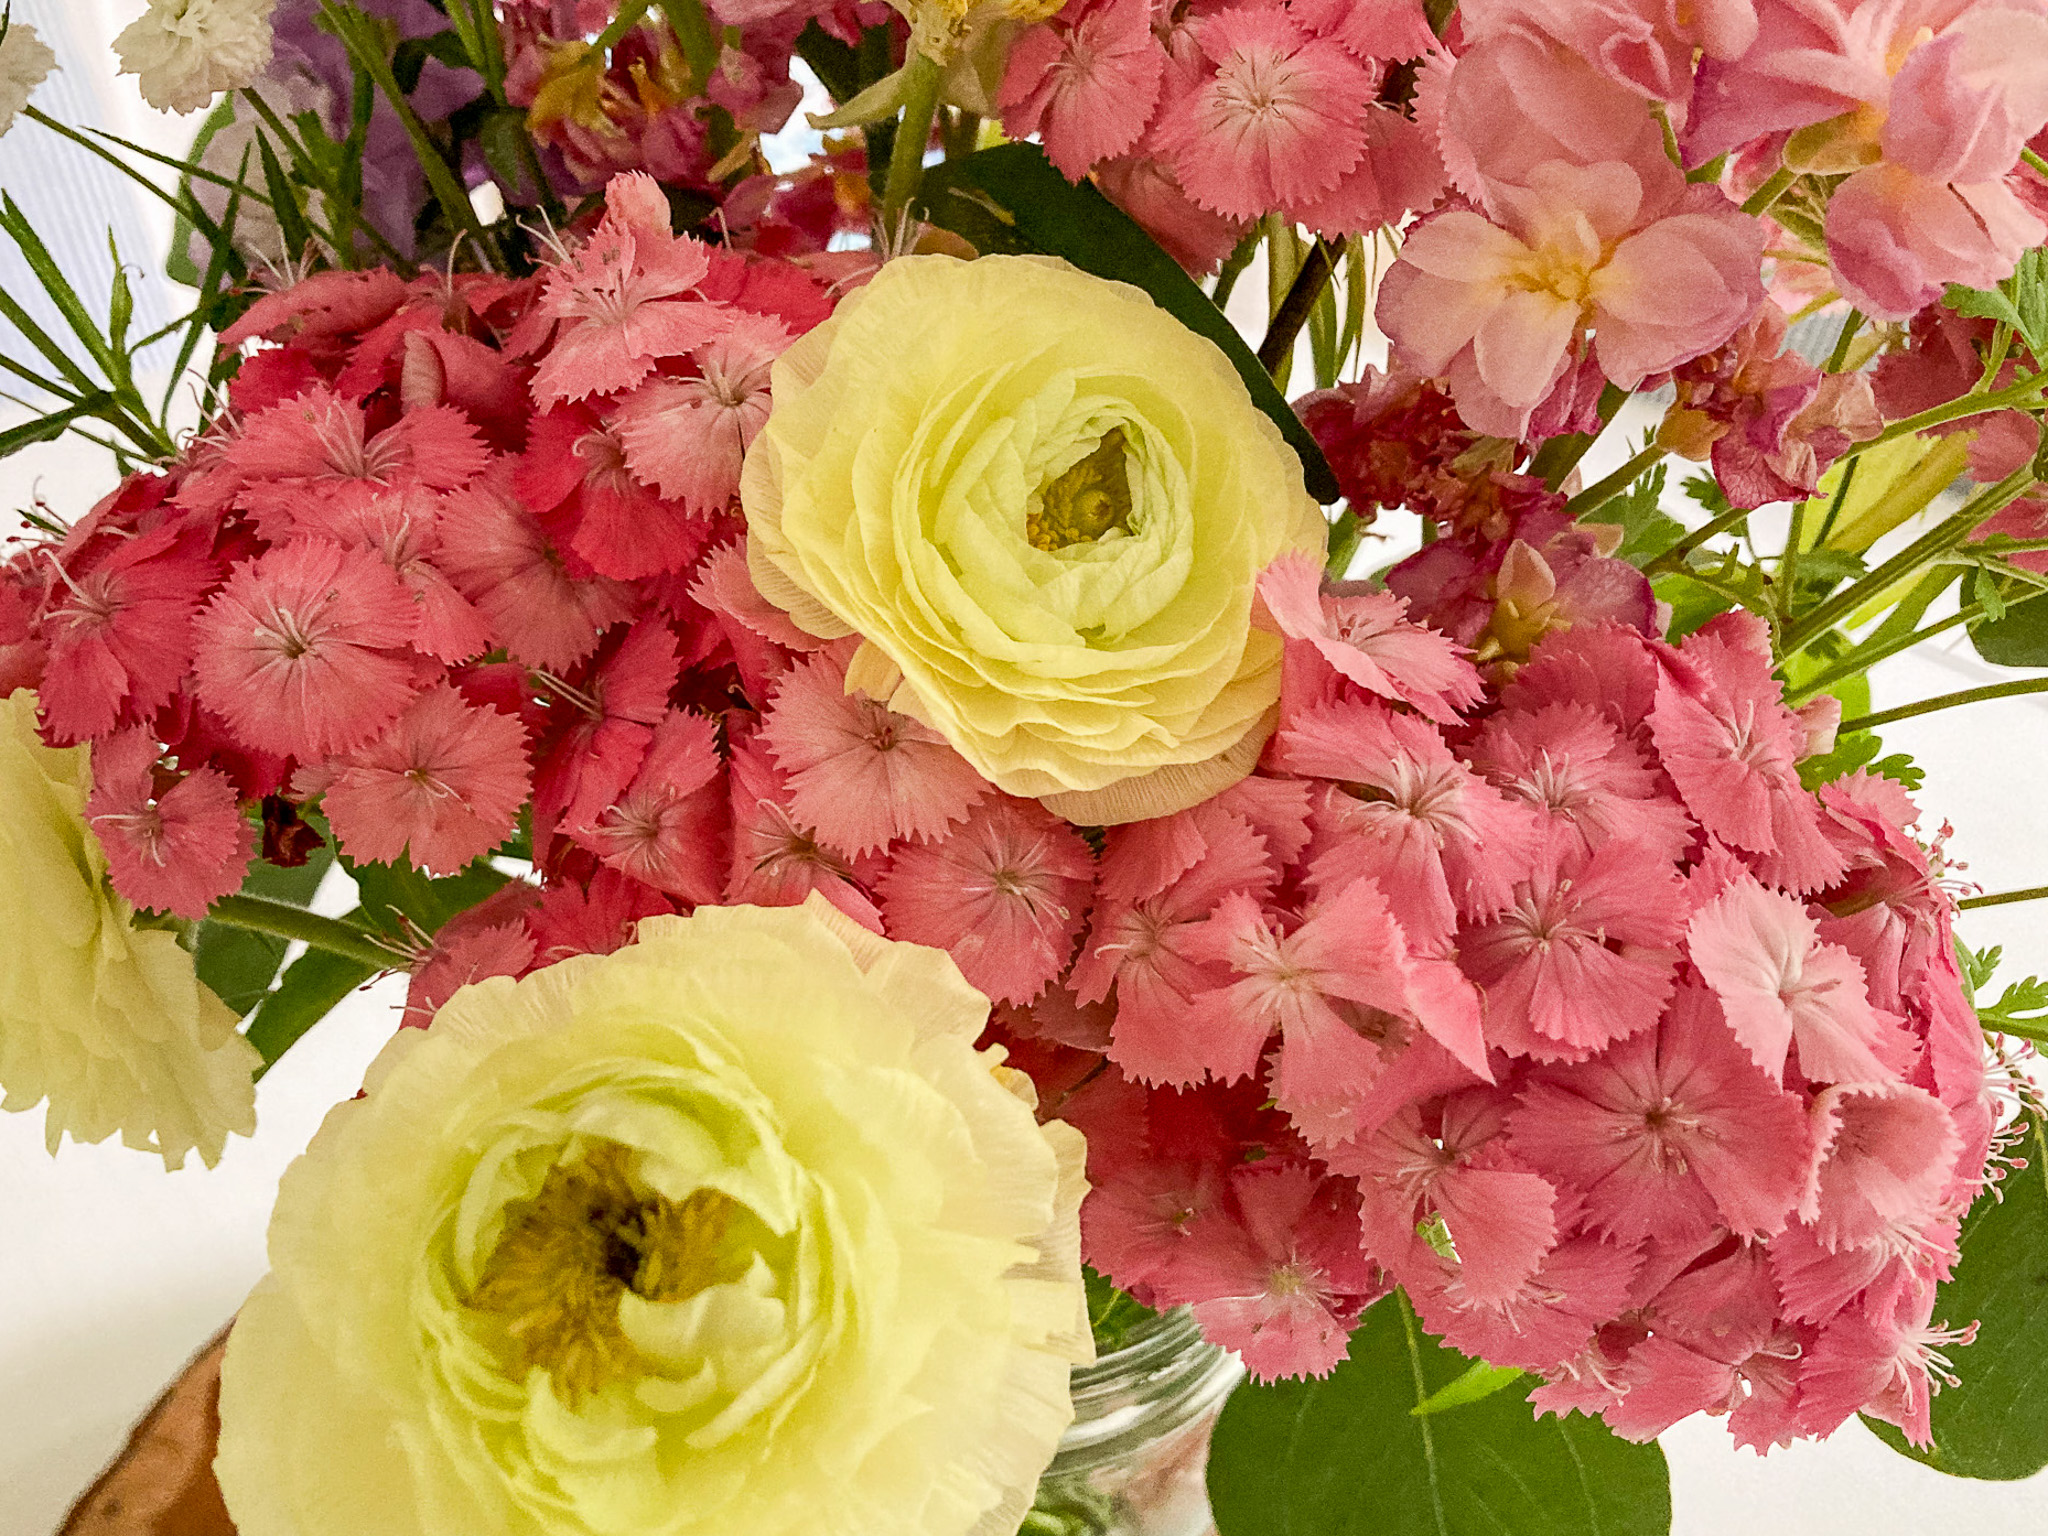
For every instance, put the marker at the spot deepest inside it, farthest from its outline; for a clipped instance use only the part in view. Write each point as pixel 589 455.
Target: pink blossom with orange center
pixel 1656 272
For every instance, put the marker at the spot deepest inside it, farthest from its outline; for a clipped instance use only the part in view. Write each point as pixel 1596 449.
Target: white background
pixel 113 1272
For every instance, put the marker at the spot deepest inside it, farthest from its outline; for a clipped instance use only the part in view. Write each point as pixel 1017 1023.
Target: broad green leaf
pixel 397 897
pixel 2018 639
pixel 1349 1456
pixel 239 965
pixel 1012 198
pixel 1482 1380
pixel 313 984
pixel 1994 1423
pixel 1112 1313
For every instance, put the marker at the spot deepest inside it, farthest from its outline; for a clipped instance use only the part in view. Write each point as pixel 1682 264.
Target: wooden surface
pixel 161 1484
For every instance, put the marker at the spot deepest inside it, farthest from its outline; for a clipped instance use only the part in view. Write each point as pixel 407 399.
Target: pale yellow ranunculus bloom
pixel 106 1021
pixel 1043 504
pixel 733 1231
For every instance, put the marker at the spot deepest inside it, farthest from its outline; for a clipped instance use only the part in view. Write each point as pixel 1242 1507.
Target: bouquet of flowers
pixel 938 826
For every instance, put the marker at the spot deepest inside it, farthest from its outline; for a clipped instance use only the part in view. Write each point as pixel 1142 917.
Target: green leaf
pixel 312 986
pixel 2021 301
pixel 1482 1380
pixel 2017 639
pixel 412 54
pixel 397 897
pixel 1646 532
pixel 284 200
pixel 502 137
pixel 1112 1313
pixel 2022 1008
pixel 1348 1456
pixel 1992 1424
pixel 48 428
pixel 1012 195
pixel 238 964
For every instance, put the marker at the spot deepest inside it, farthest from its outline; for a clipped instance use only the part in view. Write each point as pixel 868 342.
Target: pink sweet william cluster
pixel 440 558
pixel 1560 1004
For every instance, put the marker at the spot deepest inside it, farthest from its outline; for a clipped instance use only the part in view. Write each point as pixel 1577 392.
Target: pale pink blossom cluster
pixel 1563 1006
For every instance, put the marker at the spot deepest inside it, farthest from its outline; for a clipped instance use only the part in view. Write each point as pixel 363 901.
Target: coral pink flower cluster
pixel 439 560
pixel 1560 1004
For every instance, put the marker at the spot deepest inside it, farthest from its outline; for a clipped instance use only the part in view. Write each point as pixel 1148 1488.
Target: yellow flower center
pixel 569 1254
pixel 1086 502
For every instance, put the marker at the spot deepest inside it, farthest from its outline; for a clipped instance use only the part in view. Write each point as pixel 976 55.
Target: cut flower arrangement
pixel 931 816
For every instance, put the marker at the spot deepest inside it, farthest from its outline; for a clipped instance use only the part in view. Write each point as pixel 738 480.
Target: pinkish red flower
pixel 1284 1288
pixel 1586 954
pixel 442 786
pixel 667 828
pixel 858 772
pixel 686 437
pixel 1885 1160
pixel 777 861
pixel 173 843
pixel 1085 82
pixel 1402 811
pixel 303 651
pixel 1670 1133
pixel 1005 894
pixel 1570 762
pixel 1275 120
pixel 1781 987
pixel 1366 638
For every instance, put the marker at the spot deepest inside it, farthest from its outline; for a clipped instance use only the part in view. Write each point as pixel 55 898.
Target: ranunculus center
pixel 1086 502
pixel 569 1254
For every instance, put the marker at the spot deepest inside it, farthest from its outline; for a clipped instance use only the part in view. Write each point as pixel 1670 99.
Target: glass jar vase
pixel 1133 1462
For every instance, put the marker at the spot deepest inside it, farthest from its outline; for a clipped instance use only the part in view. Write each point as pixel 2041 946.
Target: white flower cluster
pixel 186 52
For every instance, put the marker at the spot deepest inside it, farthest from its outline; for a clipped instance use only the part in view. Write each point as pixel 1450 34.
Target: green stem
pixel 1673 559
pixel 1600 492
pixel 2034 160
pixel 922 79
pixel 1909 561
pixel 2033 1032
pixel 1560 456
pixel 1839 358
pixel 1786 582
pixel 1989 691
pixel 281 919
pixel 1759 201
pixel 627 19
pixel 1863 658
pixel 2021 393
pixel 1293 313
pixel 2031 893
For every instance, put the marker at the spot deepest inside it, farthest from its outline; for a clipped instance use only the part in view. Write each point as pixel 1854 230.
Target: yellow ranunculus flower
pixel 1043 504
pixel 106 1021
pixel 731 1231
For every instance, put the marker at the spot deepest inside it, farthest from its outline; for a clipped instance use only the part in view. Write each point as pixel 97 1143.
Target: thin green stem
pixel 1989 691
pixel 922 79
pixel 2033 1032
pixel 1851 324
pixel 1673 559
pixel 1909 561
pixel 2034 160
pixel 1786 578
pixel 2031 893
pixel 2022 393
pixel 1864 657
pixel 1759 201
pixel 627 19
pixel 1600 492
pixel 1827 524
pixel 282 920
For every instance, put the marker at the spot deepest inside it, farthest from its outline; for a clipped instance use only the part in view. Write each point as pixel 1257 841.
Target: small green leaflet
pixel 2021 301
pixel 1646 531
pixel 1481 1381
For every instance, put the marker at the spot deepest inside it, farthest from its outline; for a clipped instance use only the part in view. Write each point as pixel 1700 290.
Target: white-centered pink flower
pixel 686 437
pixel 174 843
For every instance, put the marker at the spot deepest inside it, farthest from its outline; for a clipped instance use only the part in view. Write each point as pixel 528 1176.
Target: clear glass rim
pixel 1164 1378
